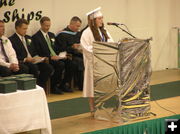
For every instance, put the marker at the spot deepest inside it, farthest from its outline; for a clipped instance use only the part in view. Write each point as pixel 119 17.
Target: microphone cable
pixel 127 28
pixel 163 107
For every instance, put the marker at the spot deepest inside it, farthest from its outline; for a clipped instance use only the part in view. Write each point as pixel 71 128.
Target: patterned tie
pixel 3 51
pixel 25 46
pixel 49 46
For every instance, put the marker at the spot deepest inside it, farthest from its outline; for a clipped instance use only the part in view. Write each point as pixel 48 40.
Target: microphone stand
pixel 125 31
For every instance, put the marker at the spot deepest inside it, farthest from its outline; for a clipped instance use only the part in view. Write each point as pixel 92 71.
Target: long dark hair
pixel 94 29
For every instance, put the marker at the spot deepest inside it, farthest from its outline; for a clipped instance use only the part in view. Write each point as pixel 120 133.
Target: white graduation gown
pixel 87 46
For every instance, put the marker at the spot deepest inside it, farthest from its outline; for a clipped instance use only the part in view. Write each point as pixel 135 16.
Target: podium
pixel 122 74
pixel 178 46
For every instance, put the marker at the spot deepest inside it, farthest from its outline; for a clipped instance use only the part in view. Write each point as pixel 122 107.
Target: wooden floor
pixel 165 76
pixel 84 123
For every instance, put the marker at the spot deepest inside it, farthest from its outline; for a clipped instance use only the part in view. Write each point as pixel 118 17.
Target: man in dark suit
pixel 44 43
pixel 27 55
pixel 8 61
pixel 69 40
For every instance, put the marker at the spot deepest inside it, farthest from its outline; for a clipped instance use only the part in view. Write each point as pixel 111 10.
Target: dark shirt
pixel 65 39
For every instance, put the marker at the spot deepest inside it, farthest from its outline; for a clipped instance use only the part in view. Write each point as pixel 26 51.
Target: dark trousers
pixel 4 71
pixel 46 71
pixel 68 73
pixel 33 69
pixel 78 73
pixel 56 78
pixel 41 71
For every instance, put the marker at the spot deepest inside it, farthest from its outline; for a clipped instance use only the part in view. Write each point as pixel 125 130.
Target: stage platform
pixel 84 123
pixel 158 77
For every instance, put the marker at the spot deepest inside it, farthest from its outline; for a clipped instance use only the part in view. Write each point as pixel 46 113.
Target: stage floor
pixel 158 77
pixel 84 123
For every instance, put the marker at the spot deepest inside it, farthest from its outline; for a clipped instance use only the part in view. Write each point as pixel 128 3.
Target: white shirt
pixel 44 34
pixel 22 38
pixel 11 54
pixel 1 53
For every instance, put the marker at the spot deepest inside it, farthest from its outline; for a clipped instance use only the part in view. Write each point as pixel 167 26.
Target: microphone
pixel 113 23
pixel 176 28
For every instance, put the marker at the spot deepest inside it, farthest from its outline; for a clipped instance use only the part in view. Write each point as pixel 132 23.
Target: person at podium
pixel 94 32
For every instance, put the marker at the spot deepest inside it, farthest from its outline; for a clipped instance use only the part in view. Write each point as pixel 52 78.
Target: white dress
pixel 87 40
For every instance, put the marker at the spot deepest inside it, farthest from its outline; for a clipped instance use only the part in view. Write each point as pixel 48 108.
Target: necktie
pixel 49 46
pixel 25 46
pixel 3 51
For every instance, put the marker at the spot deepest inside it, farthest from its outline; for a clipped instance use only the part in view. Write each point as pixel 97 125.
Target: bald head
pixel 75 24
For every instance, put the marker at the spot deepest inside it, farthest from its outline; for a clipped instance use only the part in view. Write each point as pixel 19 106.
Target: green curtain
pixel 155 126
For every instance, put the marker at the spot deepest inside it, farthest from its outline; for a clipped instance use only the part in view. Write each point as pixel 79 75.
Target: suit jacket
pixel 9 52
pixel 65 39
pixel 19 47
pixel 41 44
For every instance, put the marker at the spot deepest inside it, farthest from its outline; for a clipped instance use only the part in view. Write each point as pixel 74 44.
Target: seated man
pixel 69 40
pixel 44 43
pixel 8 62
pixel 27 55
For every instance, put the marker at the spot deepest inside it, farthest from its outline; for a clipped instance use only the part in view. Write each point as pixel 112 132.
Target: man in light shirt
pixel 8 62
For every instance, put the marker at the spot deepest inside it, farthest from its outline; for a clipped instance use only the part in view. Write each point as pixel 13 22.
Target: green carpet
pixel 77 106
pixel 69 107
pixel 166 90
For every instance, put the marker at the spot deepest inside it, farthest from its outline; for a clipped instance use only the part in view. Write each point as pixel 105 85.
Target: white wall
pixel 144 18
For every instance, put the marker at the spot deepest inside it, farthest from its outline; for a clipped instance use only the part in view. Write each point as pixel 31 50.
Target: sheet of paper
pixel 63 55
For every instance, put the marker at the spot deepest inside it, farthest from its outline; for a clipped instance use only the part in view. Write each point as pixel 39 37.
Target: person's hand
pixel 29 59
pixel 14 67
pixel 39 58
pixel 55 58
pixel 75 46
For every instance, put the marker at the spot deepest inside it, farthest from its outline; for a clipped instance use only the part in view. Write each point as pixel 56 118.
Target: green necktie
pixel 49 45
